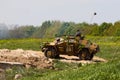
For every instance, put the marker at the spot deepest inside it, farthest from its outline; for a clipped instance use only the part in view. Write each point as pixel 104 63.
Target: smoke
pixel 4 32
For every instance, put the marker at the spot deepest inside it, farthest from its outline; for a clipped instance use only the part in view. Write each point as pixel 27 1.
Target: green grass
pixel 31 44
pixel 109 50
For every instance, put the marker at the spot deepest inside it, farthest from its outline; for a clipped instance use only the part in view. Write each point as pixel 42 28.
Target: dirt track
pixel 30 58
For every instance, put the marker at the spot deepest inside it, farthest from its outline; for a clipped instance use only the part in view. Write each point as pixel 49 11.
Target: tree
pixel 104 27
pixel 64 26
pixel 22 32
pixel 40 32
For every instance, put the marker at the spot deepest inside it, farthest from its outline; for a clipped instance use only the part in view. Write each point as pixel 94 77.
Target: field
pixel 109 50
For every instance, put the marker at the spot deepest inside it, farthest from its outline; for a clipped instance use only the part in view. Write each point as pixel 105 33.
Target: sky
pixel 35 12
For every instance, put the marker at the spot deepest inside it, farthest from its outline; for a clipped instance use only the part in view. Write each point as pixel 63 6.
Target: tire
pixel 50 53
pixel 57 56
pixel 84 54
pixel 91 56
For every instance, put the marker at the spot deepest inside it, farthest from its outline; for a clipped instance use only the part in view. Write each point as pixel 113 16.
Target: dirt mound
pixel 28 58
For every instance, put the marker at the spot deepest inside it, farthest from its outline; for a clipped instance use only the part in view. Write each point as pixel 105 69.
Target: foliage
pixel 40 32
pixel 22 32
pixel 51 29
pixel 62 29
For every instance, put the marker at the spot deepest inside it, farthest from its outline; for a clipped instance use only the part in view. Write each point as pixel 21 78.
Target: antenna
pixel 93 17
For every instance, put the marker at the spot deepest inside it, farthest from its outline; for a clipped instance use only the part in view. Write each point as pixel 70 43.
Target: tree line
pixel 51 29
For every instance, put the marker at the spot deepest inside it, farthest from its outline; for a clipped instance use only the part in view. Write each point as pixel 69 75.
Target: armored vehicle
pixel 72 46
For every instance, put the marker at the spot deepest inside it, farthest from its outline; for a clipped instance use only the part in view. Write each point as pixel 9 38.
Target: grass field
pixel 109 50
pixel 26 44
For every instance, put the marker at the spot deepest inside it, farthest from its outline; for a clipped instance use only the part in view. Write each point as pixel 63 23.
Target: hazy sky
pixel 34 12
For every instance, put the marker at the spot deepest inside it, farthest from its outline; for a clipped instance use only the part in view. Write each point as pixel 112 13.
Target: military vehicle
pixel 72 46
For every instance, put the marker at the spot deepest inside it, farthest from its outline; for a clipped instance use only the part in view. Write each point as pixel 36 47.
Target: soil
pixel 75 59
pixel 29 58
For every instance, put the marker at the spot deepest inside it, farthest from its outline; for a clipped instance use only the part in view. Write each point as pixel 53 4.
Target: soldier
pixel 57 41
pixel 78 36
pixel 78 33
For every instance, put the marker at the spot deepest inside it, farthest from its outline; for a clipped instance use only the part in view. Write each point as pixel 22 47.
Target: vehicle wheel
pixel 50 53
pixel 57 56
pixel 91 56
pixel 84 55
